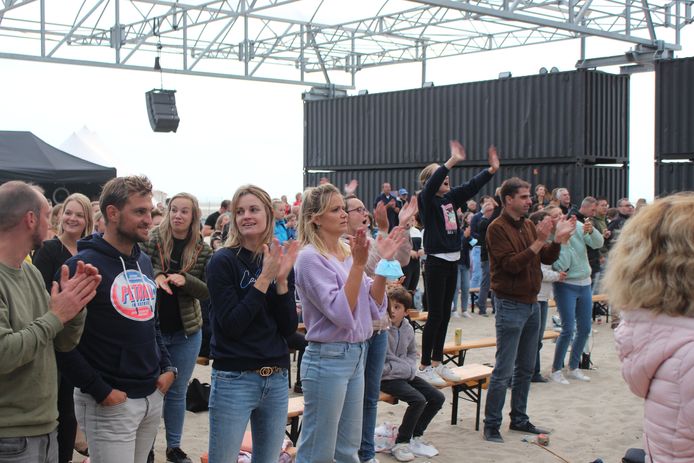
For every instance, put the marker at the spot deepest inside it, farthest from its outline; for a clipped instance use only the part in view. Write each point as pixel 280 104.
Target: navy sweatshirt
pixel 438 213
pixel 121 346
pixel 248 327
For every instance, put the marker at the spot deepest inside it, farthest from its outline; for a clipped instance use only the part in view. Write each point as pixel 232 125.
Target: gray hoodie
pixel 401 358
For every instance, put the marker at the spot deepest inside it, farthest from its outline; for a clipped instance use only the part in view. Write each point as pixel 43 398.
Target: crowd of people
pixel 160 287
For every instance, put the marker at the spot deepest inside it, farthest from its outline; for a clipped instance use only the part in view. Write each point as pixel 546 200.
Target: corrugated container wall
pixel 674 109
pixel 671 177
pixel 581 181
pixel 578 116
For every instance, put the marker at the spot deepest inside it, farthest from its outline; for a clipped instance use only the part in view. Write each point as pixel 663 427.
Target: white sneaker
pixel 402 452
pixel 577 374
pixel 558 377
pixel 455 314
pixel 467 314
pixel 373 460
pixel 446 373
pixel 422 448
pixel 429 375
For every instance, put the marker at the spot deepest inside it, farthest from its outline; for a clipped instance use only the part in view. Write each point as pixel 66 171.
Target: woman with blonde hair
pixel 649 280
pixel 253 311
pixel 339 305
pixel 179 257
pixel 73 223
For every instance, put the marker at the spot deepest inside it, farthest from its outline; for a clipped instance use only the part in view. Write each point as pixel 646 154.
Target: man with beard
pixel 32 324
pixel 121 366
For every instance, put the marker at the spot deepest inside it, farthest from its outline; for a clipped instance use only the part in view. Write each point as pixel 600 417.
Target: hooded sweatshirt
pixel 401 357
pixel 121 346
pixel 657 353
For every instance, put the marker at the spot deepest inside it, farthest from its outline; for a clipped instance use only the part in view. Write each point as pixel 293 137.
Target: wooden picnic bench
pixel 295 410
pixel 474 378
pixel 417 319
pixel 455 353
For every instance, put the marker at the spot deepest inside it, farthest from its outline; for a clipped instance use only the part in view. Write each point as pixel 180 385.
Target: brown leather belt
pixel 268 371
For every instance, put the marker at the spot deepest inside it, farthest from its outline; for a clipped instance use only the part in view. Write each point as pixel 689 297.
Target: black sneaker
pixel 297 388
pixel 493 435
pixel 539 379
pixel 528 427
pixel 176 455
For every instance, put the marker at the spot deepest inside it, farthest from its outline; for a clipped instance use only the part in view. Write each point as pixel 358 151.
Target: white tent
pixel 87 145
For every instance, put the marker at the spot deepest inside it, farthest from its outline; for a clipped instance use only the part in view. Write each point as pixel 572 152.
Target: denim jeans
pixel 239 396
pixel 440 289
pixel 183 351
pixel 575 306
pixel 485 285
pixel 463 287
pixel 517 326
pixel 33 449
pixel 332 374
pixel 376 348
pixel 544 307
pixel 475 268
pixel 122 433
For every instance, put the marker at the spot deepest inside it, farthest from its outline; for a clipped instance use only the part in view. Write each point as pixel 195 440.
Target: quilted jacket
pixel 657 354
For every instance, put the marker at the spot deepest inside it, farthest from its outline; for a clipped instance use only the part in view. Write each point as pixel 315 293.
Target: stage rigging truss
pixel 325 42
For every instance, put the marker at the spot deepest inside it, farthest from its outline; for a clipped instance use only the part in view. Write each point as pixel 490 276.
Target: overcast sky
pixel 234 132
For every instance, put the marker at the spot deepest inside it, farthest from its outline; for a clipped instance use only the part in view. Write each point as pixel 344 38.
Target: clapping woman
pixel 251 284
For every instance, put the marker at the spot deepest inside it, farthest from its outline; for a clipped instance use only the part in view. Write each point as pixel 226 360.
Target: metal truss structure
pixel 323 42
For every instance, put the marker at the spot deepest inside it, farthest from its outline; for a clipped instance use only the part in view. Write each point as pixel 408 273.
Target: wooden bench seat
pixel 417 319
pixel 455 353
pixel 473 378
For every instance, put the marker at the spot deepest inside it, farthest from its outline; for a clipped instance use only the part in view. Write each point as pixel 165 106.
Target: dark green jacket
pixel 195 288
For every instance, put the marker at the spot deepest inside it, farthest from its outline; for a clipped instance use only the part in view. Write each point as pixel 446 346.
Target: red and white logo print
pixel 134 297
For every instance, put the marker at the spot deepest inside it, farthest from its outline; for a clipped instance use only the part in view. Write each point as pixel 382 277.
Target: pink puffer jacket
pixel 658 364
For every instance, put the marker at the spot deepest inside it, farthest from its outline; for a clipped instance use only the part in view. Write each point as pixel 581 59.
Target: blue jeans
pixel 575 305
pixel 183 351
pixel 376 348
pixel 484 288
pixel 463 287
pixel 476 278
pixel 544 306
pixel 236 397
pixel 517 325
pixel 332 376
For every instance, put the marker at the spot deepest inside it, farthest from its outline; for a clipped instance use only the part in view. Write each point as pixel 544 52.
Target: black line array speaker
pixel 161 108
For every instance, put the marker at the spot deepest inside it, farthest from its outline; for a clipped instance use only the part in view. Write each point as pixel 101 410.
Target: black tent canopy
pixel 24 156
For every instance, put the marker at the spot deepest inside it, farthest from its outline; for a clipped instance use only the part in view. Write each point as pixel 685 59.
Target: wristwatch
pixel 171 369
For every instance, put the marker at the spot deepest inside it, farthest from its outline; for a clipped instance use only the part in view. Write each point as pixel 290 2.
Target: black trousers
pixel 440 284
pixel 424 402
pixel 67 423
pixel 411 272
pixel 297 341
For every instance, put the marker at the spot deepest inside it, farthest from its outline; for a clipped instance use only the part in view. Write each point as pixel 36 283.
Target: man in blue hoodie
pixel 120 366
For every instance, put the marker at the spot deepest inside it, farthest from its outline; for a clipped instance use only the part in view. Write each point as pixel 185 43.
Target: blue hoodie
pixel 121 346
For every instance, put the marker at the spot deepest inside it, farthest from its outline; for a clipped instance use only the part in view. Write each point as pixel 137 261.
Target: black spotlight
pixel 161 108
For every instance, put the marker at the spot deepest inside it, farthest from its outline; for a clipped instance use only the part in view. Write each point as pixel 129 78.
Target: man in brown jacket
pixel 516 247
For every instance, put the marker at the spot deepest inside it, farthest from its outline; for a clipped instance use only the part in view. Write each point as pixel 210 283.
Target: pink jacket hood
pixel 658 364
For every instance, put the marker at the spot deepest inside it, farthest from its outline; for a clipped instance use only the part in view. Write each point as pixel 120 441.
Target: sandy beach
pixel 599 419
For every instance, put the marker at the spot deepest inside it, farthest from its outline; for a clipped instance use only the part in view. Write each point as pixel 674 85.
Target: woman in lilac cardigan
pixel 339 305
pixel 649 279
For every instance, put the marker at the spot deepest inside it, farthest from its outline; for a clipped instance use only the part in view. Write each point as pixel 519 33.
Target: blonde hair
pixel 235 239
pixel 315 203
pixel 191 250
pixel 86 205
pixel 652 263
pixel 426 173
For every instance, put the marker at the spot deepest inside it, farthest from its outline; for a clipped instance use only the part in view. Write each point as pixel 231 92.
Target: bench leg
pixel 454 410
pixel 479 405
pixel 294 430
pixel 461 357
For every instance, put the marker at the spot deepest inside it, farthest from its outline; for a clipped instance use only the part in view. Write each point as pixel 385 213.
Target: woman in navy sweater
pixel 251 285
pixel 438 203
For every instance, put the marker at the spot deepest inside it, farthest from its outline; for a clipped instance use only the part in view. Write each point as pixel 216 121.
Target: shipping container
pixel 567 117
pixel 671 177
pixel 674 109
pixel 581 180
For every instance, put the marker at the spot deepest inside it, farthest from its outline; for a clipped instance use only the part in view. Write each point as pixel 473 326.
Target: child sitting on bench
pixel 400 381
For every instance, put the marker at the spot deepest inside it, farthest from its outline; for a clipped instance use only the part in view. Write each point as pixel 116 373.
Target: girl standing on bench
pixel 400 380
pixel 438 203
pixel 339 305
pixel 251 286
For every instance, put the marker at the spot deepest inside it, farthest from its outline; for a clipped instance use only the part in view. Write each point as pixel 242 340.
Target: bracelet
pixel 389 269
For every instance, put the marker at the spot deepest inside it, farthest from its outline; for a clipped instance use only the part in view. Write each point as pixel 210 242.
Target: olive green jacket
pixel 195 288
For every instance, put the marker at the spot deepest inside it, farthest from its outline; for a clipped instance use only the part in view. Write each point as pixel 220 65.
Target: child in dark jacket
pixel 400 381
